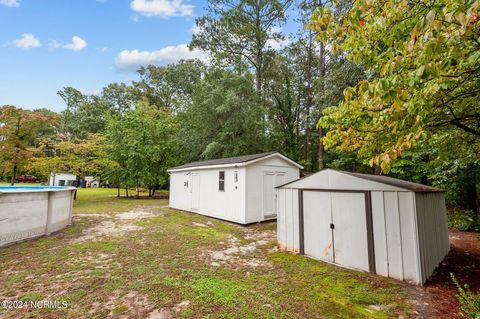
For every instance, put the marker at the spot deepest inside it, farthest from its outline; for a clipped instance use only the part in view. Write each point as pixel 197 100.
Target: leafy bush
pixel 464 221
pixel 469 301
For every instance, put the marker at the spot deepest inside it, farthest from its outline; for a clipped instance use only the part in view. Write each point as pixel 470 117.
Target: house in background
pixel 62 179
pixel 238 189
pixel 91 182
pixel 373 223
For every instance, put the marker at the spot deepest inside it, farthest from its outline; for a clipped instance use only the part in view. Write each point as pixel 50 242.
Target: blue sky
pixel 38 56
pixel 46 45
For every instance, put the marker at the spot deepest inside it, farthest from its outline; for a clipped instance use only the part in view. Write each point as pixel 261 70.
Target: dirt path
pixel 437 299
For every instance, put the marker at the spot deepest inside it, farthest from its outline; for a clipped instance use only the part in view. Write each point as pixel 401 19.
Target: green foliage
pixel 469 301
pixel 141 144
pixel 240 30
pixel 464 221
pixel 224 118
pixel 83 157
pixel 424 58
pixel 20 131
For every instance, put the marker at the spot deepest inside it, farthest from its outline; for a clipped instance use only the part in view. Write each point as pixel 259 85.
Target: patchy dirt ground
pixel 437 299
pixel 114 224
pixel 126 258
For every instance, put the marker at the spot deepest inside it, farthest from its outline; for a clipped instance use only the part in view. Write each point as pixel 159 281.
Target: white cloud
pixel 55 44
pixel 132 60
pixel 94 91
pixel 27 41
pixel 10 3
pixel 103 49
pixel 77 44
pixel 162 8
pixel 196 29
pixel 280 43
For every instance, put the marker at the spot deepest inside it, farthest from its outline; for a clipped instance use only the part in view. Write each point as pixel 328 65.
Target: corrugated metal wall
pixel 395 235
pixel 287 219
pixel 410 231
pixel 433 232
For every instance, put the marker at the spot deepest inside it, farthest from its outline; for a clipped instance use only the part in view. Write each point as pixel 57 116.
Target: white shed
pixel 238 189
pixel 62 179
pixel 378 224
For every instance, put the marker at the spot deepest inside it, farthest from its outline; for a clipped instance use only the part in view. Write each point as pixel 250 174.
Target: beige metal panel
pixel 350 247
pixel 394 240
pixel 379 234
pixel 281 217
pixel 331 179
pixel 434 245
pixel 295 224
pixel 408 236
pixel 289 219
pixel 317 218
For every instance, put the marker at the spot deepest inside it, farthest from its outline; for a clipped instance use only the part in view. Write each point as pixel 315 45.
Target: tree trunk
pixel 321 150
pixel 309 95
pixel 470 182
pixel 472 198
pixel 126 189
pixel 118 190
pixel 14 174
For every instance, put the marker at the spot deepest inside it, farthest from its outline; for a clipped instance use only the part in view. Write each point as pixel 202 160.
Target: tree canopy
pixel 423 58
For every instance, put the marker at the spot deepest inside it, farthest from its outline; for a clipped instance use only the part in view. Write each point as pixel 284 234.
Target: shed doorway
pixel 270 181
pixel 335 228
pixel 195 192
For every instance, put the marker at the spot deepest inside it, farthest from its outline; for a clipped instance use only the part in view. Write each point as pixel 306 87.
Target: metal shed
pixel 239 189
pixel 378 224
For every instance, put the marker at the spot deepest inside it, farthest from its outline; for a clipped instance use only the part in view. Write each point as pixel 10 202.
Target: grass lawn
pixel 127 258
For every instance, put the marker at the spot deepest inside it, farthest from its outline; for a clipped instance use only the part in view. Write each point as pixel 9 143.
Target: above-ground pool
pixel 32 211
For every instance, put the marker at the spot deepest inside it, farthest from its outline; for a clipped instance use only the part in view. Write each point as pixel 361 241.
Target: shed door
pixel 270 181
pixel 316 225
pixel 335 229
pixel 350 232
pixel 195 192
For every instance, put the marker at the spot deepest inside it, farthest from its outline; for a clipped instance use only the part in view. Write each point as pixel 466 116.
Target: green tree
pixel 73 98
pixel 426 61
pixel 19 131
pixel 170 87
pixel 422 95
pixel 240 31
pixel 224 119
pixel 141 144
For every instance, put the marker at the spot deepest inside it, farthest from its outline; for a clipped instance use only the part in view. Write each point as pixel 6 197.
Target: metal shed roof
pixel 387 180
pixel 232 160
pixel 414 187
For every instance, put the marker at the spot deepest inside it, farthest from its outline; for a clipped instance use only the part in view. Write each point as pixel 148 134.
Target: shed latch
pixel 332 226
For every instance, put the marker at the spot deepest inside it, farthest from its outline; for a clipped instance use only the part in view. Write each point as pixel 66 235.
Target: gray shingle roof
pixel 415 187
pixel 221 161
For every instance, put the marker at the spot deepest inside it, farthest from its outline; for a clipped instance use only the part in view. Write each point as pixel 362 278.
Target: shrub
pixel 469 301
pixel 464 221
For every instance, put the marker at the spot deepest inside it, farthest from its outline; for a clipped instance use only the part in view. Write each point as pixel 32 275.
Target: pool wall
pixel 32 212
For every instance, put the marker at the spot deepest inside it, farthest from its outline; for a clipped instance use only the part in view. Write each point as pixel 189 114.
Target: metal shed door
pixel 317 217
pixel 350 232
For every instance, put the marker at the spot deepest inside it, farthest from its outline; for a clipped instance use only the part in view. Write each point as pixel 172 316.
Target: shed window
pixel 221 181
